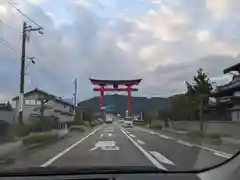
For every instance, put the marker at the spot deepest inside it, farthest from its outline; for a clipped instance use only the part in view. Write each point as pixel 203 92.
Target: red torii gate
pixel 115 87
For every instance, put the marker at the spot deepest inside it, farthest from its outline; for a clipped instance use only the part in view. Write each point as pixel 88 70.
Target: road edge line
pixel 57 156
pixel 152 159
pixel 194 144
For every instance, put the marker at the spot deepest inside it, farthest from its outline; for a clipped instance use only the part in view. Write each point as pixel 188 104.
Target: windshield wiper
pixel 57 171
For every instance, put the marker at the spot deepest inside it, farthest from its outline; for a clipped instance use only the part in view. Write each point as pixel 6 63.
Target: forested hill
pixel 140 104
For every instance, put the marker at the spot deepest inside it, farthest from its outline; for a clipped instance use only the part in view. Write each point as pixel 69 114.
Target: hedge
pixel 41 137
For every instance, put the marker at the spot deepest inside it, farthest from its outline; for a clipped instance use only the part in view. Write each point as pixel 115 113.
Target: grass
pixel 41 137
pixel 157 126
pixel 201 134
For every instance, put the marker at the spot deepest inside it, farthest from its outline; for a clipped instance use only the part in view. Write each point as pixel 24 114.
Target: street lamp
pixel 31 60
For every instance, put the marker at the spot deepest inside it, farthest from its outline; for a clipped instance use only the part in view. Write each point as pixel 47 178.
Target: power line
pixel 8 25
pixel 27 17
pixel 9 45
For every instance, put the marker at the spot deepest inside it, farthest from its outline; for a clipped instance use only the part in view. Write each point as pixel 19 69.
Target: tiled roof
pixel 44 93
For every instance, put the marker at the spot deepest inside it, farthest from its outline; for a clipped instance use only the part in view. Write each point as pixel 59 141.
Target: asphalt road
pixel 113 145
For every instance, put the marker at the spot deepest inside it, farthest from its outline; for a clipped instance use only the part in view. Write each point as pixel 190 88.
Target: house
pixel 228 95
pixel 6 112
pixel 54 106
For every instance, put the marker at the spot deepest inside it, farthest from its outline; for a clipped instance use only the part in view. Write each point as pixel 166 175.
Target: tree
pixel 198 92
pixel 201 84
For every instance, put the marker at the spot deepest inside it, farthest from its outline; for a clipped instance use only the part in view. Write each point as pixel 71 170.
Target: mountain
pixel 140 104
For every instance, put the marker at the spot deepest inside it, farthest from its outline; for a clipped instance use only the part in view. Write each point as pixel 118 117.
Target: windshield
pixel 72 71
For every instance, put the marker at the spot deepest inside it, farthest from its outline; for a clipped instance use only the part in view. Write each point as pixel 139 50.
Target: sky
pixel 163 42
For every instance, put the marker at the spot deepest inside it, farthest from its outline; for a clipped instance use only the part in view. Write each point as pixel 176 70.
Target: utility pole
pixel 22 75
pixel 201 112
pixel 75 96
pixel 26 29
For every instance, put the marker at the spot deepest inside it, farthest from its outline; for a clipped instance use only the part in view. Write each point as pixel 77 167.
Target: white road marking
pixel 214 151
pixel 161 158
pixel 50 161
pixel 140 142
pixel 222 155
pixel 185 143
pixel 101 135
pixel 163 136
pixel 105 145
pixel 132 135
pixel 151 132
pixel 152 159
pixel 154 133
pixel 108 130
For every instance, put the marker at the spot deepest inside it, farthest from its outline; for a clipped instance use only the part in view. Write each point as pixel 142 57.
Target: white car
pixel 128 122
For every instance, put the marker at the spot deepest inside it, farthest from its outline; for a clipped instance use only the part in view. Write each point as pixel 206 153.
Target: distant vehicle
pixel 128 122
pixel 109 120
pixel 121 120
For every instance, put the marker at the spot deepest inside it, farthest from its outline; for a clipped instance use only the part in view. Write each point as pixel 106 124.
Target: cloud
pixel 163 42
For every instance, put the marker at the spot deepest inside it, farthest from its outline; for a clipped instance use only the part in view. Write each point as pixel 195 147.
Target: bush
pixel 37 125
pixel 44 137
pixel 5 131
pixel 77 128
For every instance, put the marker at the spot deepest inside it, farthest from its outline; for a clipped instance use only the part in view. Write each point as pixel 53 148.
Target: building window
pixel 38 102
pixel 32 102
pixel 27 102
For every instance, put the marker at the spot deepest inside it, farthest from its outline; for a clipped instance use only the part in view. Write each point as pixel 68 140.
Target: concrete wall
pixel 231 129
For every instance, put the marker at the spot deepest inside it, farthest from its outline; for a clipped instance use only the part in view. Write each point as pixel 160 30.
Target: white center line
pixel 50 161
pixel 185 143
pixel 161 158
pixel 152 159
pixel 140 142
pixel 132 135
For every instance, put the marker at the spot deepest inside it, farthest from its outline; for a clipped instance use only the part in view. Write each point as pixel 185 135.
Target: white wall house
pixel 55 106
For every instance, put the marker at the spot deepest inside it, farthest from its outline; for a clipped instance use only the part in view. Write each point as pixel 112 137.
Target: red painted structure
pixel 103 86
